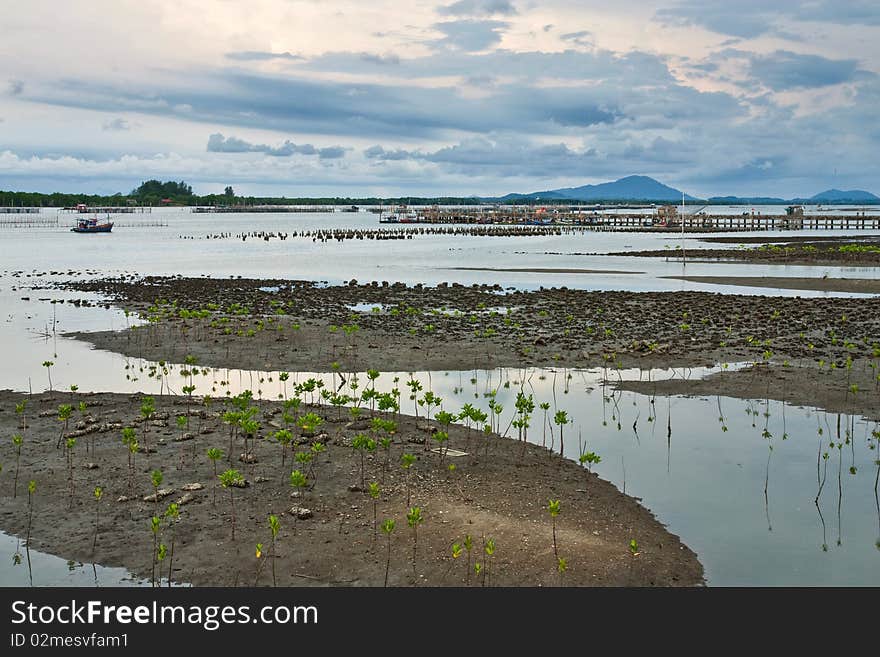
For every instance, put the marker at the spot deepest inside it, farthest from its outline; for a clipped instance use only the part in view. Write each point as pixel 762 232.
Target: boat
pixel 91 225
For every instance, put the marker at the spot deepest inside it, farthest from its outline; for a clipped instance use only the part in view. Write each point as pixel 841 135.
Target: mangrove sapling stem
pixel 172 513
pixel 99 492
pixel 387 529
pixel 17 440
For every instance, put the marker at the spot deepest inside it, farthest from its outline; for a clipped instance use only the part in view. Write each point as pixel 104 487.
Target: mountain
pixel 631 188
pixel 838 196
pixel 643 188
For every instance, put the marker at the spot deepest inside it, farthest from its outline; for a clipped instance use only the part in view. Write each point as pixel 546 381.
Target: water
pixel 705 484
pixel 34 568
pixel 181 248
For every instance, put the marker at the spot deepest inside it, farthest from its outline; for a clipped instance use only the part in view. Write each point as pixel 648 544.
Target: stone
pixel 300 512
pixel 179 438
pixel 185 499
pixel 161 493
pixel 195 486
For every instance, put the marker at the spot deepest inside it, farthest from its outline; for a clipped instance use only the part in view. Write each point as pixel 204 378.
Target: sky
pixel 428 98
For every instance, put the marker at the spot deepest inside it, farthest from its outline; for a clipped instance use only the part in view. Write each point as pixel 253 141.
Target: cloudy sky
pixel 331 97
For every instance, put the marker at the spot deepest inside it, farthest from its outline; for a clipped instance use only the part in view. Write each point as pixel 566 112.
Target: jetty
pixel 662 219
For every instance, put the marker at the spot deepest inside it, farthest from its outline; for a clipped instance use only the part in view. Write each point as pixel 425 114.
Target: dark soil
pixel 827 252
pixel 500 494
pixel 305 327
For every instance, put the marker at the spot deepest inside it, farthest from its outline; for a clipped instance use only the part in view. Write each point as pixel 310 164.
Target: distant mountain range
pixel 644 188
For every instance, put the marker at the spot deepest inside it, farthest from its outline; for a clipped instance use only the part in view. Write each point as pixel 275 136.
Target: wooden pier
pixel 292 209
pixel 104 209
pixel 666 221
pixel 19 210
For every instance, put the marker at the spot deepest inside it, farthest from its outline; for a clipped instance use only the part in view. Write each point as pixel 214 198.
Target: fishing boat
pixel 91 225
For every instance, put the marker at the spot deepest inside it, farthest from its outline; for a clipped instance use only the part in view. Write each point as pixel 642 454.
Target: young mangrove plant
pixel 553 509
pixel 70 443
pixel 156 480
pixel 32 489
pixel 98 494
pixel 155 528
pixel 388 529
pixel 148 407
pixel 172 515
pixel 17 440
pixel 231 479
pixel 215 455
pixel 274 526
pixel 414 519
pixel 374 494
pixel 64 413
pixel 489 549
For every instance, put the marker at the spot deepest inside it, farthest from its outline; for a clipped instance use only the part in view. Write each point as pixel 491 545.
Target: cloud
pixel 116 125
pixel 478 8
pixel 260 56
pixel 378 153
pixel 752 18
pixel 783 70
pixel 582 38
pixel 470 35
pixel 15 87
pixel 331 152
pixel 383 60
pixel 217 143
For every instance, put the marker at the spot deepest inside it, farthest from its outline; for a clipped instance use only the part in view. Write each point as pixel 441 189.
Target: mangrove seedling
pixel 489 549
pixel 156 480
pixel 17 440
pixel 374 494
pixel 387 529
pixel 414 519
pixel 64 413
pixel 99 493
pixel 32 489
pixel 214 455
pixel 155 526
pixel 231 479
pixel 283 437
pixel 69 445
pixel 274 526
pixel 553 508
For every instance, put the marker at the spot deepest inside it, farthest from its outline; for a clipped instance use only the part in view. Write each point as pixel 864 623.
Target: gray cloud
pixel 752 18
pixel 383 60
pixel 478 8
pixel 116 125
pixel 217 143
pixel 15 87
pixel 331 152
pixel 260 56
pixel 470 35
pixel 783 70
pixel 582 38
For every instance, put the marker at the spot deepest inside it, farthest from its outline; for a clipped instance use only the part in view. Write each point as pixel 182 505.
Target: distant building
pixel 667 213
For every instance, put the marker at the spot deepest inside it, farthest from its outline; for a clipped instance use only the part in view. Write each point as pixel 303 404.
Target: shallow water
pixel 705 484
pixel 34 568
pixel 181 248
